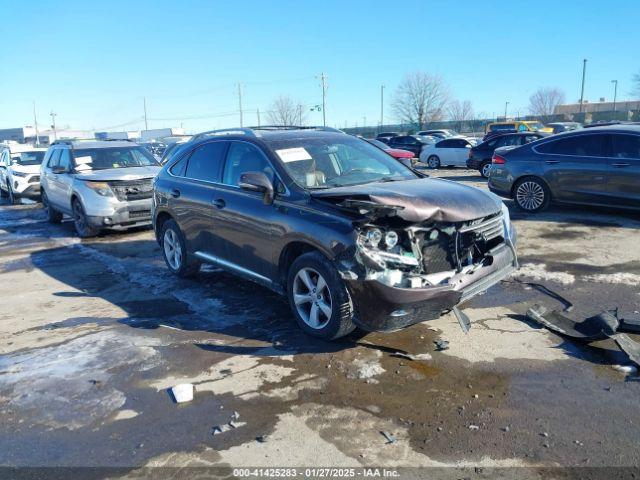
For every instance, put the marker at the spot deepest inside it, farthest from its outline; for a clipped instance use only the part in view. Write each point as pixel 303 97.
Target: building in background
pixel 159 133
pixel 598 107
pixel 27 134
pixel 117 135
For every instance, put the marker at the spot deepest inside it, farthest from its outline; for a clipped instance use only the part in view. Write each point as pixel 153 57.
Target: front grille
pixel 486 228
pixel 140 214
pixel 34 179
pixel 132 189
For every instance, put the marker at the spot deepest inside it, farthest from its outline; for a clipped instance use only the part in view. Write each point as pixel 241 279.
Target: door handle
pixel 219 203
pixel 552 162
pixel 175 193
pixel 618 165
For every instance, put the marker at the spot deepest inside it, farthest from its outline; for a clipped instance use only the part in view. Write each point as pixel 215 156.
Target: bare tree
pixel 286 111
pixel 461 113
pixel 544 100
pixel 420 98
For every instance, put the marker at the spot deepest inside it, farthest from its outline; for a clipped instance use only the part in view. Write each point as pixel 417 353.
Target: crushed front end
pixel 402 273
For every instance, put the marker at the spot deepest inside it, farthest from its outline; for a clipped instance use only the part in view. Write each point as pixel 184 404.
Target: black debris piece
pixel 441 345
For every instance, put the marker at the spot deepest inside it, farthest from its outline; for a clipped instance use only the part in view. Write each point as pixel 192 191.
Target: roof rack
pixel 251 131
pixel 69 141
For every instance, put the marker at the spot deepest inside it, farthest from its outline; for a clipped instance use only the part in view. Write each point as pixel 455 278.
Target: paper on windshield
pixel 83 160
pixel 293 154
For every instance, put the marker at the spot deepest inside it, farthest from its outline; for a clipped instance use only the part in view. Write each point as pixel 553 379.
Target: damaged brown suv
pixel 350 235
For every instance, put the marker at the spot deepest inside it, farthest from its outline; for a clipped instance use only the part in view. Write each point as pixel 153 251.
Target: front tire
pixel 12 196
pixel 318 297
pixel 174 251
pixel 434 162
pixel 80 222
pixel 485 169
pixel 53 216
pixel 531 195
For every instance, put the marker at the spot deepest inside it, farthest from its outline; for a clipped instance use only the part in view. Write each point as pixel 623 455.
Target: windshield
pixel 324 162
pixel 116 157
pixel 28 158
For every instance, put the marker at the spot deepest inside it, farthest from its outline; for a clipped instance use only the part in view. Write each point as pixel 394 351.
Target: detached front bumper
pixel 381 307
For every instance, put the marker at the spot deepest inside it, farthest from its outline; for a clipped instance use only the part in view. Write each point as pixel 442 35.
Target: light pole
pixel 53 125
pixel 615 93
pixel 506 104
pixel 381 107
pixel 584 69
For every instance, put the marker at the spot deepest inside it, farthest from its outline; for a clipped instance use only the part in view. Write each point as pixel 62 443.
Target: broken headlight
pixel 391 239
pixel 374 237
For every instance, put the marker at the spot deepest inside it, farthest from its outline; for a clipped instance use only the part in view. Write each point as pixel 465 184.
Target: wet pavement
pixel 93 333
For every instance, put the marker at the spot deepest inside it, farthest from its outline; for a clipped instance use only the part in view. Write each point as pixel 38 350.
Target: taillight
pixel 470 153
pixel 498 160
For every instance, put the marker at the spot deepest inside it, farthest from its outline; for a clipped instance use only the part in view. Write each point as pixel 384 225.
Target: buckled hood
pixel 419 200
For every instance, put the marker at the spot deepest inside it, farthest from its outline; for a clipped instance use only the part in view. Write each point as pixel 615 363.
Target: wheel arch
pixel 288 255
pixel 160 219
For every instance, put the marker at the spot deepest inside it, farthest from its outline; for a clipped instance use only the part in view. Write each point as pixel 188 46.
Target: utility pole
pixel 381 107
pixel 615 93
pixel 323 83
pixel 144 103
pixel 53 124
pixel 258 117
pixel 240 102
pixel 506 104
pixel 584 69
pixel 35 124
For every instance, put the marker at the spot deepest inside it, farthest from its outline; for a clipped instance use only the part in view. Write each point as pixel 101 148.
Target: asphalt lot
pixel 93 332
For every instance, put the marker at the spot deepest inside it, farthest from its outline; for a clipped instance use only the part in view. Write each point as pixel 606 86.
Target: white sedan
pixel 450 151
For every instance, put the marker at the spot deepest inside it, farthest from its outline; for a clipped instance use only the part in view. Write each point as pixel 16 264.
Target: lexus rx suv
pixel 350 235
pixel 100 184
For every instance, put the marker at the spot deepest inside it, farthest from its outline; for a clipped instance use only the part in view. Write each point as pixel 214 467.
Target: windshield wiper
pixel 391 179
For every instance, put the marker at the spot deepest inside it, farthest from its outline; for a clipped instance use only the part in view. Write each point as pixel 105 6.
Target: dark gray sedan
pixel 596 166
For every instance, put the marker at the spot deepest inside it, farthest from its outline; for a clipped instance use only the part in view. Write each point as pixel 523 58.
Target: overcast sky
pixel 94 62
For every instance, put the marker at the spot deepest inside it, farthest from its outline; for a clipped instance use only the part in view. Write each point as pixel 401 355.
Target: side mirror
pixel 58 169
pixel 258 182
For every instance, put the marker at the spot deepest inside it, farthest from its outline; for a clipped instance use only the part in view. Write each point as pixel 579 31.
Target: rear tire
pixel 80 222
pixel 174 251
pixel 531 194
pixel 319 298
pixel 434 162
pixel 3 194
pixel 485 169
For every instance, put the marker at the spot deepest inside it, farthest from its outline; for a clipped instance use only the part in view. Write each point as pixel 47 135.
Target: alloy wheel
pixel 172 249
pixel 433 162
pixel 530 195
pixel 486 169
pixel 12 198
pixel 312 298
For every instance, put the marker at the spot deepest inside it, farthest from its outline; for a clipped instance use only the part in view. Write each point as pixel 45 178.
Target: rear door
pixel 576 167
pixel 624 170
pixel 196 184
pixel 52 182
pixel 443 150
pixel 4 166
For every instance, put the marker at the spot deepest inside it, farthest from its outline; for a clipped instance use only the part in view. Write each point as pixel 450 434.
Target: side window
pixel 3 159
pixel 53 159
pixel 445 144
pixel 511 140
pixel 626 146
pixel 205 162
pixel 178 168
pixel 244 157
pixel 530 138
pixel 522 127
pixel 578 145
pixel 65 159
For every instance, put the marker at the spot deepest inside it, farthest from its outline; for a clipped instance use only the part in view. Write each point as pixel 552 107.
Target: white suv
pixel 20 172
pixel 100 184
